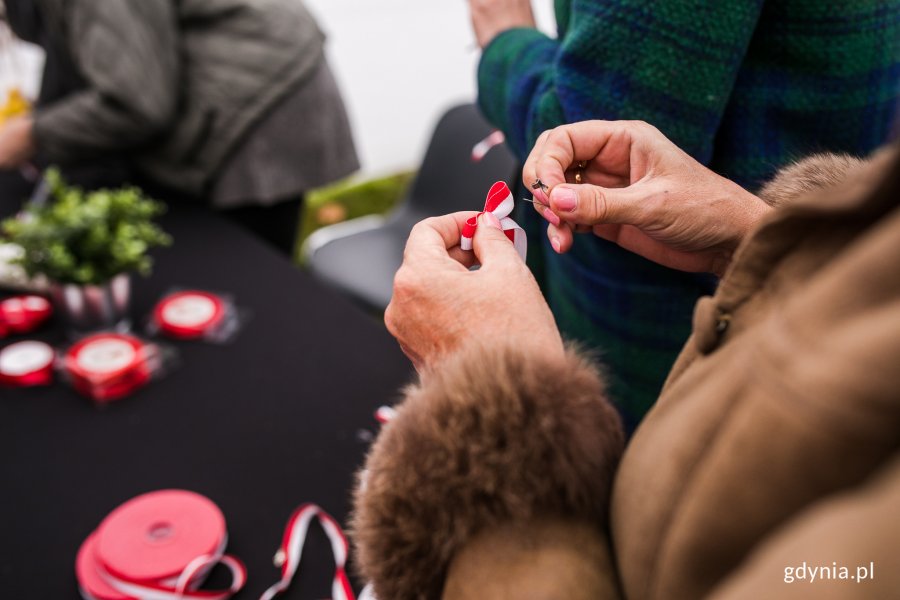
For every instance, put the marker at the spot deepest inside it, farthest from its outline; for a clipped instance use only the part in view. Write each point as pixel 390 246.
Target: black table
pixel 281 416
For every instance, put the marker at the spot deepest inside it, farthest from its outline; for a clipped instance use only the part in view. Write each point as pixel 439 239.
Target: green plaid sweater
pixel 743 85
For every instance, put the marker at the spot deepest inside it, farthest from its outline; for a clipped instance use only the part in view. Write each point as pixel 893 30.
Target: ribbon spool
pixel 157 546
pixel 189 314
pixel 109 366
pixel 500 202
pixel 23 314
pixel 26 364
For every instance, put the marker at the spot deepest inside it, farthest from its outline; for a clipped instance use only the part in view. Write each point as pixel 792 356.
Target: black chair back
pixel 449 179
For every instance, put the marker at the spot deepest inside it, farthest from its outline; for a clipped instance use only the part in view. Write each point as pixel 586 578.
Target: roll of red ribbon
pixel 23 314
pixel 157 546
pixel 189 314
pixel 109 366
pixel 26 364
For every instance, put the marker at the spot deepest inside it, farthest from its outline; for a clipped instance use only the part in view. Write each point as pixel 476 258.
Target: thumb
pixel 586 204
pixel 490 243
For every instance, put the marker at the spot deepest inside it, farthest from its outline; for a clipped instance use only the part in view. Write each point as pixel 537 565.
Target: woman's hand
pixel 490 17
pixel 16 142
pixel 640 191
pixel 439 305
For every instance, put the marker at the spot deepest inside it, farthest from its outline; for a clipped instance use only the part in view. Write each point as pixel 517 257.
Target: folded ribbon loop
pixel 500 203
pixel 288 556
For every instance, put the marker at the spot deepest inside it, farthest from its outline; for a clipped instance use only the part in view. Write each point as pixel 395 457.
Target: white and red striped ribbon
pixel 500 203
pixel 384 414
pixel 184 587
pixel 480 150
pixel 288 556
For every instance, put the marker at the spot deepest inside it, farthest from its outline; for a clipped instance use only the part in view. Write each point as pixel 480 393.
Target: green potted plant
pixel 86 244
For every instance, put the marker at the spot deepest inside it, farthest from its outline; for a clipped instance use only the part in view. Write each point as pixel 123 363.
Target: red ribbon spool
pixel 26 364
pixel 158 545
pixel 108 366
pixel 189 314
pixel 23 314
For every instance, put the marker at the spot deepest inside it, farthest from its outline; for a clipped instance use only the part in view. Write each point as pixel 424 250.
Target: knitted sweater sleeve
pixel 669 62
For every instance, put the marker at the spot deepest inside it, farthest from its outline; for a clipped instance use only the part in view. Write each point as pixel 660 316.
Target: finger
pixel 529 170
pixel 561 237
pixel 590 204
pixel 436 235
pixel 464 257
pixel 607 141
pixel 490 243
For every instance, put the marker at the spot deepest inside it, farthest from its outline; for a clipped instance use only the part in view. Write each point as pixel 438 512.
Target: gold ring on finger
pixel 579 171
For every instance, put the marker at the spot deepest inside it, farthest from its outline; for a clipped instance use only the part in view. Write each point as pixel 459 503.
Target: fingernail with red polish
pixel 551 216
pixel 491 220
pixel 565 199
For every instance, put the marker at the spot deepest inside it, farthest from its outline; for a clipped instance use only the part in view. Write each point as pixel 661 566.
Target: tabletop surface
pixel 281 416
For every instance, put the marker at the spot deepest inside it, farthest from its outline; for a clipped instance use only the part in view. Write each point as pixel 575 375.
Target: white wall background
pixel 400 64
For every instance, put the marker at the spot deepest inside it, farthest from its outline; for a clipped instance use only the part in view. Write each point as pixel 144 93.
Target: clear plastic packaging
pixel 196 315
pixel 23 314
pixel 110 366
pixel 26 364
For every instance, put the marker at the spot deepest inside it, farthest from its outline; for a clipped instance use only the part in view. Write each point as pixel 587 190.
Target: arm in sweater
pixel 672 63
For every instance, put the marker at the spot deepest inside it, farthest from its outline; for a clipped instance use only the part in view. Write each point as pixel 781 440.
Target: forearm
pixel 515 73
pixel 496 443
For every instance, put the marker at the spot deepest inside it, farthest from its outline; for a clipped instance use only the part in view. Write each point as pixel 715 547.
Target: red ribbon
pixel 109 366
pixel 23 314
pixel 189 314
pixel 157 546
pixel 26 364
pixel 291 550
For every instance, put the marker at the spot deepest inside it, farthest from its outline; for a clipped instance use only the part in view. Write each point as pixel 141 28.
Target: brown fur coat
pixel 495 478
pixel 493 436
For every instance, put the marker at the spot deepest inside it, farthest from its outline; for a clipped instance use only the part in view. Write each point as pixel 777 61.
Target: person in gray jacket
pixel 226 101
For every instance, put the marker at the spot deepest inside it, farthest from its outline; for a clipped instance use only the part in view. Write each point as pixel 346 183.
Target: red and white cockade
pixel 157 546
pixel 500 202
